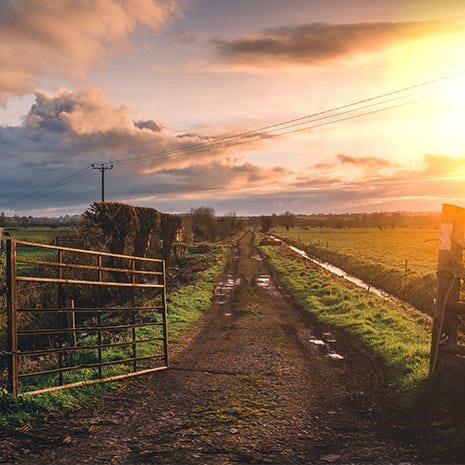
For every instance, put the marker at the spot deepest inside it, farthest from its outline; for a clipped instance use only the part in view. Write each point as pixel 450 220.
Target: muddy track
pixel 253 385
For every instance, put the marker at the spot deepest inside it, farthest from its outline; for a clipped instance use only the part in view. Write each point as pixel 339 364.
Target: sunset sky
pixel 169 92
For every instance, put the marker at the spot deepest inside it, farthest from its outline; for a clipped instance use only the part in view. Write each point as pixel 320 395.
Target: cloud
pixel 151 125
pixel 64 133
pixel 380 182
pixel 319 43
pixel 39 38
pixel 437 165
pixel 46 163
pixel 370 163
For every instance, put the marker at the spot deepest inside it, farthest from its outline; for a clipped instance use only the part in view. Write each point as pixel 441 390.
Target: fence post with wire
pixel 450 271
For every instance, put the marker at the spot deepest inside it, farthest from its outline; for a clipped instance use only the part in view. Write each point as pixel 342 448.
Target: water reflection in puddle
pixel 225 288
pixel 327 344
pixel 264 281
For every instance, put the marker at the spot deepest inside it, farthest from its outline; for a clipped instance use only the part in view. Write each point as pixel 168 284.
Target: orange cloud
pixel 439 165
pixel 318 43
pixel 67 37
pixel 372 163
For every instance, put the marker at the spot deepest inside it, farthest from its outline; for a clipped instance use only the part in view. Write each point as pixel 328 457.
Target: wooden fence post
pixel 445 318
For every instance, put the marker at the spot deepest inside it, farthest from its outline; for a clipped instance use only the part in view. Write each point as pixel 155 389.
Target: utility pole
pixel 102 168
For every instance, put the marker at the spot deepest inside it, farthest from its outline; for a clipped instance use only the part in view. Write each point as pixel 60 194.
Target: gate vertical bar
pixel 133 317
pixel 12 341
pixel 61 317
pixel 99 321
pixel 165 317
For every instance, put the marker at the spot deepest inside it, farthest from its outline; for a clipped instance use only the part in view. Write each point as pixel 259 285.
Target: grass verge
pixel 394 333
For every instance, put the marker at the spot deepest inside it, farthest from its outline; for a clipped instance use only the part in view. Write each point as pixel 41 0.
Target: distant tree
pixel 204 223
pixel 266 223
pixel 2 220
pixel 170 225
pixel 227 225
pixel 288 220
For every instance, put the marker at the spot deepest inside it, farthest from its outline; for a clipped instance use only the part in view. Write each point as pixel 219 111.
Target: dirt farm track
pixel 253 384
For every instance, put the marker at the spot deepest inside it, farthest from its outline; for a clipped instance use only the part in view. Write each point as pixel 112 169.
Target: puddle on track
pixel 225 288
pixel 264 281
pixel 327 344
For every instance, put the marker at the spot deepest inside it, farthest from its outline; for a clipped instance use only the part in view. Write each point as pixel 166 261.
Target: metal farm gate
pixel 53 342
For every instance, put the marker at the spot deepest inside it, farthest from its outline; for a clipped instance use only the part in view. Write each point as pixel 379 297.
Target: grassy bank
pixel 397 334
pixel 401 262
pixel 186 305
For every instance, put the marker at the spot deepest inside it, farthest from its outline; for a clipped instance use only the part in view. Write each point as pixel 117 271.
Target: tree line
pixel 380 220
pixel 16 221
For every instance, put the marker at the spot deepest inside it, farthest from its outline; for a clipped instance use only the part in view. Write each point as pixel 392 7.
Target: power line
pixel 252 136
pixel 295 125
pixel 44 192
pixel 282 125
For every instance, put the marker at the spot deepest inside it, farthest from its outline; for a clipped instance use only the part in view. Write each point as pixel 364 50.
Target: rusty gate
pixel 55 342
pixel 450 303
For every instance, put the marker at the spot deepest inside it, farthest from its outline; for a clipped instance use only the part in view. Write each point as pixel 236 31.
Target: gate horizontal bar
pixel 32 353
pixel 89 365
pixel 88 252
pixel 92 381
pixel 90 310
pixel 87 267
pixel 78 281
pixel 27 332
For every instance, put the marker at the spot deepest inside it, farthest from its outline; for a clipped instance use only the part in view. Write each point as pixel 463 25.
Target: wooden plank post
pixel 450 253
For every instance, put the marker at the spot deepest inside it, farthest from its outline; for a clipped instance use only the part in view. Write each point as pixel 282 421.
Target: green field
pixel 400 261
pixel 400 248
pixel 42 235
